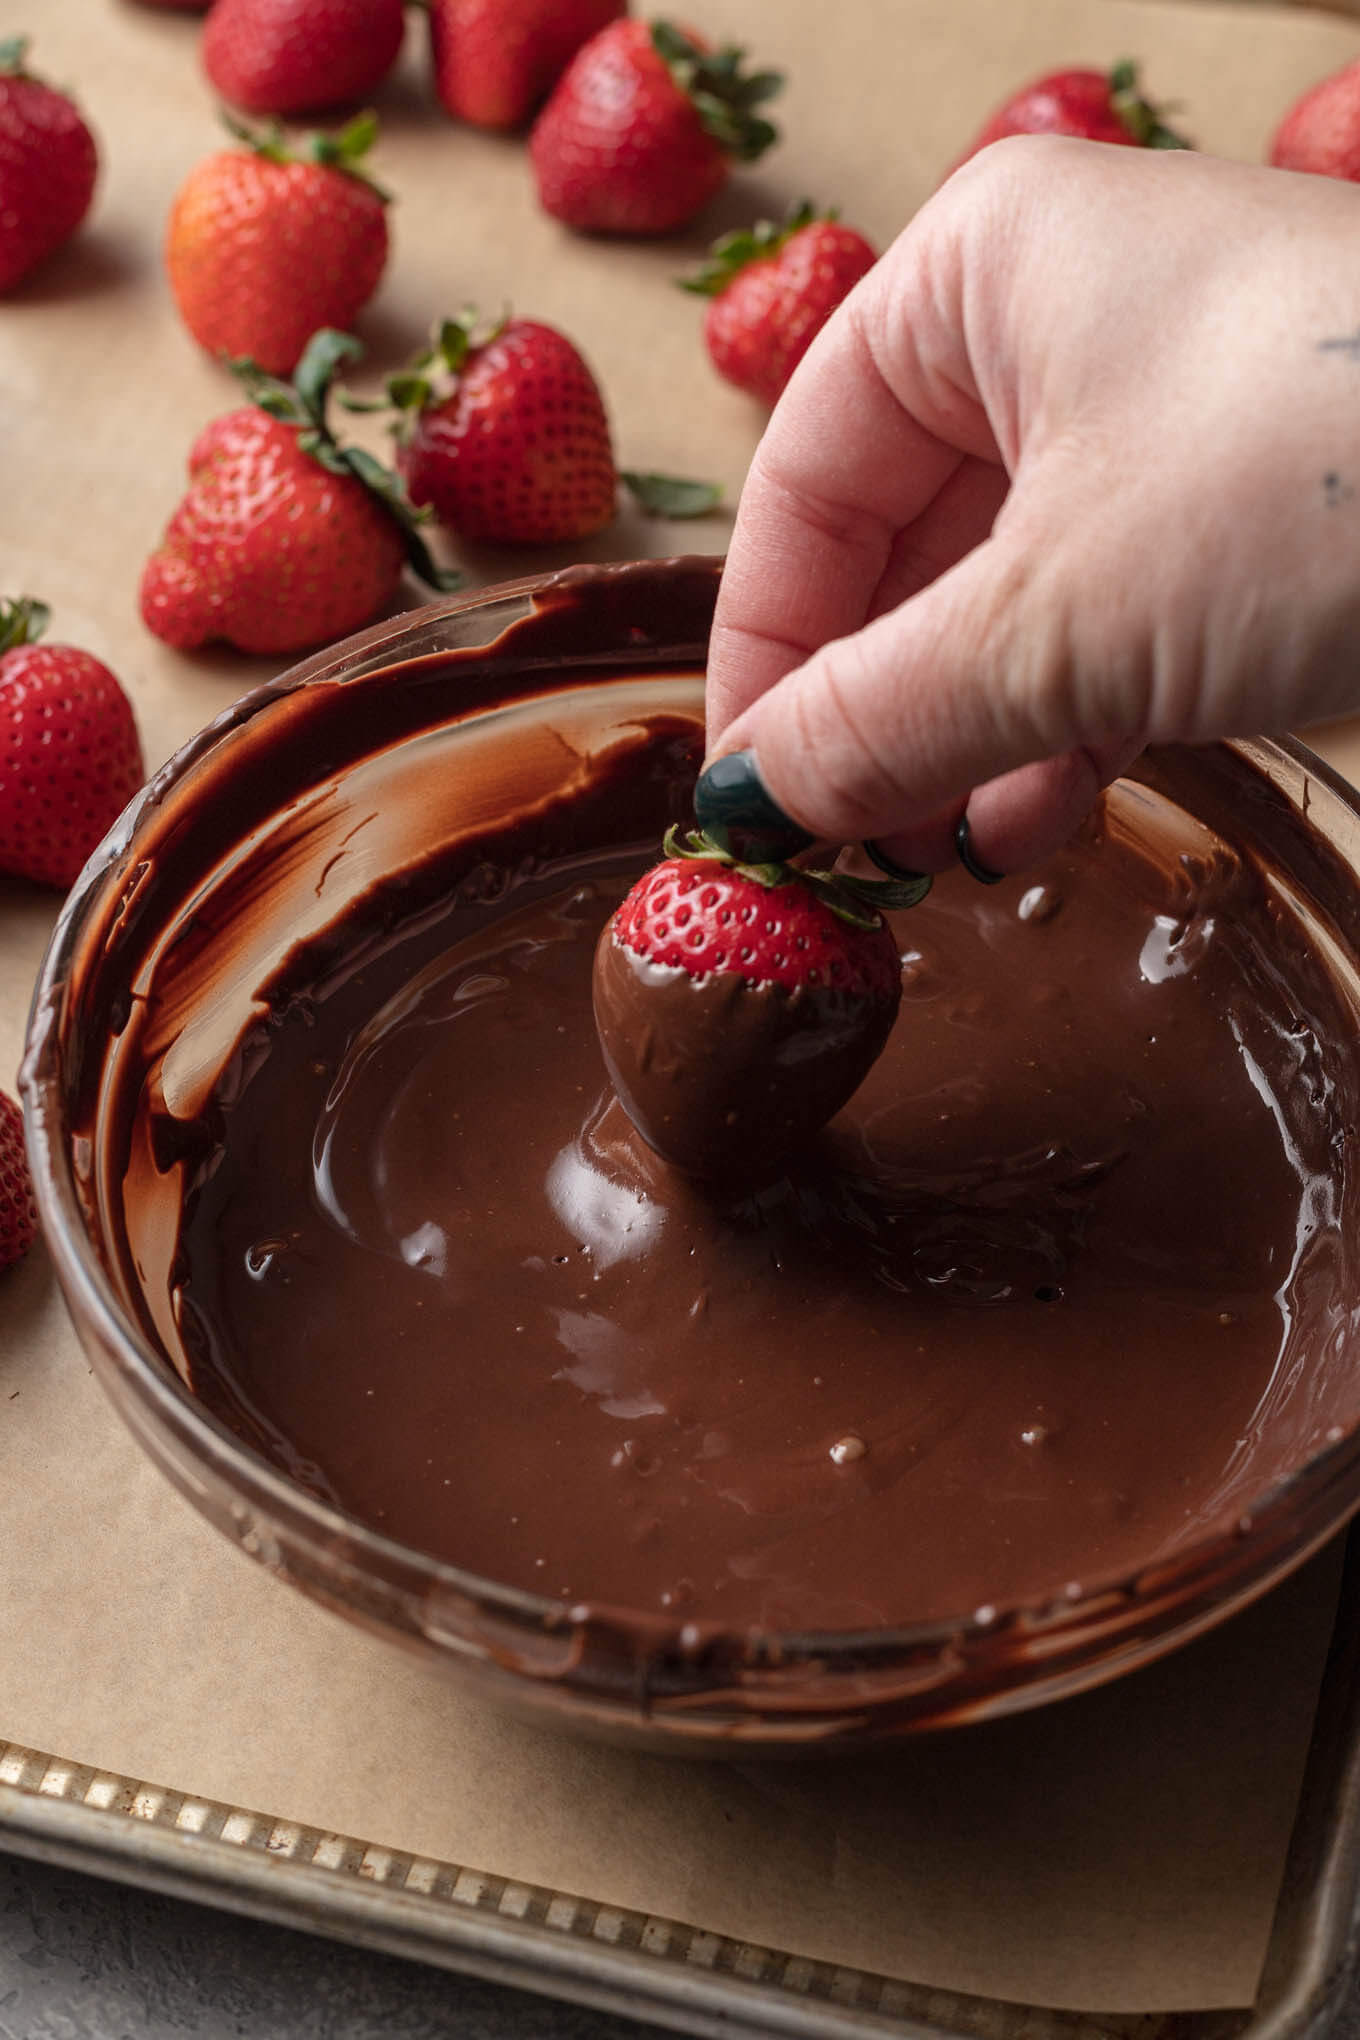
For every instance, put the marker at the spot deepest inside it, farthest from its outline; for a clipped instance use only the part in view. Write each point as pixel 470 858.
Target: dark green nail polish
pixel 878 856
pixel 732 806
pixel 963 843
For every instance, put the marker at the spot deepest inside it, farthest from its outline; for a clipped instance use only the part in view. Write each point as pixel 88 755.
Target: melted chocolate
pixel 1068 1287
pixel 1014 1321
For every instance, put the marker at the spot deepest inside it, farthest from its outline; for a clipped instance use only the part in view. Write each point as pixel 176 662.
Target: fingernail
pixel 963 843
pixel 732 806
pixel 876 854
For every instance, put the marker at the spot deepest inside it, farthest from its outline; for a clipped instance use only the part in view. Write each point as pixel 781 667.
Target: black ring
pixel 963 844
pixel 888 865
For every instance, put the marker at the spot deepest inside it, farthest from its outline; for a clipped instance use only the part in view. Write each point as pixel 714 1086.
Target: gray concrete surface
pixel 81 1959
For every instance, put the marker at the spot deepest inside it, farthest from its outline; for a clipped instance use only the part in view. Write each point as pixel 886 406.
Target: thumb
pixel 961 699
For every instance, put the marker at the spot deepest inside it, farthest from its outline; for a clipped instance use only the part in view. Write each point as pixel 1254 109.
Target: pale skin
pixel 1074 469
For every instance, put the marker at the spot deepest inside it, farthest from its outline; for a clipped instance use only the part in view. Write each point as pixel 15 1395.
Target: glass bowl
pixel 586 653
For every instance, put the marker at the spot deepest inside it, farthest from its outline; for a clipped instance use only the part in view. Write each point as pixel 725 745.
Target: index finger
pixel 877 419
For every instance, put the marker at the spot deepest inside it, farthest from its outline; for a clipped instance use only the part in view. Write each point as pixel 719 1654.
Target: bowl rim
pixel 1325 1485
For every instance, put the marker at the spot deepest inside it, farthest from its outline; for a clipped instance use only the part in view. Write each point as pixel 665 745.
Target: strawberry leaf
pixel 303 404
pixel 1140 116
pixel 671 495
pixel 859 901
pixel 731 253
pixel 315 372
pixel 722 97
pixel 22 621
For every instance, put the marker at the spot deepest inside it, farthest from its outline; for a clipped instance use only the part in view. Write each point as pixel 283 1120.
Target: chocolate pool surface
pixel 1030 1312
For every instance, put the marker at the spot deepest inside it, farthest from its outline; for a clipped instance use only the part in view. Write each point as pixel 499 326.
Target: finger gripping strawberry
pixel 739 1006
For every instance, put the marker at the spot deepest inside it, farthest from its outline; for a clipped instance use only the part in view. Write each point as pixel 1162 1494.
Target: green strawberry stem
pixel 344 150
pixel 13 51
pixel 671 495
pixel 858 901
pixel 302 403
pixel 1140 116
pixel 433 375
pixel 22 621
pixel 722 97
pixel 732 252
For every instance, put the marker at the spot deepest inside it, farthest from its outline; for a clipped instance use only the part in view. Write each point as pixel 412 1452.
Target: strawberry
pixel 181 6
pixel 298 56
pixel 740 1005
pixel 18 1219
pixel 48 163
pixel 642 127
pixel 505 437
pixel 285 539
pixel 1098 106
pixel 70 760
pixel 264 245
pixel 1321 131
pixel 772 289
pixel 495 61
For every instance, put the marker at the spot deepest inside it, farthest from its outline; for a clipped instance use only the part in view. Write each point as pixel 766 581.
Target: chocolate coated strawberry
pixel 18 1218
pixel 299 56
pixel 285 539
pixel 48 164
pixel 1097 106
pixel 496 61
pixel 771 290
pixel 267 243
pixel 739 1006
pixel 643 127
pixel 1321 131
pixel 70 759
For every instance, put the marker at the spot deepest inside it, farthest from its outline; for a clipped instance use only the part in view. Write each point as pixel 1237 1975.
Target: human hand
pixel 1075 468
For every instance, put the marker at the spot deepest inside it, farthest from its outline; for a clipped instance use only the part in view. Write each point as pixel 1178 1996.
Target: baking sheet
pixel 1118 1853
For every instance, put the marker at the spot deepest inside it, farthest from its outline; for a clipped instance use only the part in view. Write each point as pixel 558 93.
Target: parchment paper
pixel 1120 1852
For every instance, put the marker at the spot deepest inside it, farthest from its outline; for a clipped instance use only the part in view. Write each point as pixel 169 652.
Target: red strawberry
pixel 264 246
pixel 506 438
pixel 772 290
pixel 70 760
pixel 642 128
pixel 285 539
pixel 1321 131
pixel 1098 106
pixel 183 6
pixel 740 1005
pixel 297 56
pixel 48 163
pixel 18 1219
pixel 496 60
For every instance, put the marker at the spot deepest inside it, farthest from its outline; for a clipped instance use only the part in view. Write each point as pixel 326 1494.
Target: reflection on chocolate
pixel 1018 1320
